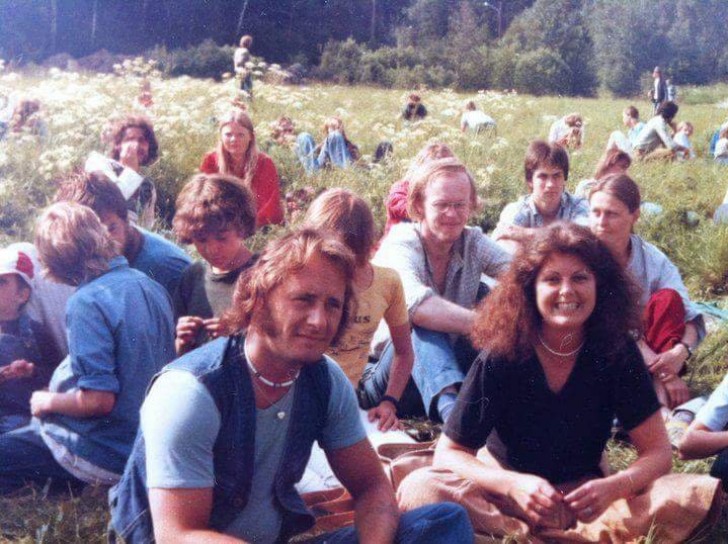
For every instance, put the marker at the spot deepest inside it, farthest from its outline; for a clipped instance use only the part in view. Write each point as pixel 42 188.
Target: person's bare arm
pixel 358 468
pixel 82 403
pixel 654 459
pixel 699 441
pixel 532 497
pixel 439 314
pixel 182 516
pixel 399 374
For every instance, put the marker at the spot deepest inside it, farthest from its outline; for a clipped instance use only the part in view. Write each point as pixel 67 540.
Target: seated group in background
pixel 547 169
pixel 655 141
pixel 558 363
pixel 28 354
pixel 335 151
pixel 475 120
pixel 672 326
pixel 237 155
pixel 133 146
pixel 378 295
pixel 227 430
pixel 120 333
pixel 215 213
pixel 414 109
pixel 25 117
pixel 145 251
pixel 568 131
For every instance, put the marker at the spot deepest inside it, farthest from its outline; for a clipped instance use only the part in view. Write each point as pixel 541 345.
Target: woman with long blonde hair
pixel 237 154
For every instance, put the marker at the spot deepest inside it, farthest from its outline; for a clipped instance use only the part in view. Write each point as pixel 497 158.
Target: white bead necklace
pixel 280 414
pixel 563 354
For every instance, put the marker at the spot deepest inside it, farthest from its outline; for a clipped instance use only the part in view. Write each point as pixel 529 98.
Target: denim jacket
pixel 220 367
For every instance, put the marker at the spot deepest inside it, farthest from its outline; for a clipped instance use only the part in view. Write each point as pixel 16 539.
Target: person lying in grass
pixel 672 326
pixel 557 363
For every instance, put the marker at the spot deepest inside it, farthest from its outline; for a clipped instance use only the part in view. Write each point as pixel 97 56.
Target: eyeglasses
pixel 458 207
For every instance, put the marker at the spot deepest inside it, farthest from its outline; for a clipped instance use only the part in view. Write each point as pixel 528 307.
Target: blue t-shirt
pixel 180 422
pixel 161 260
pixel 120 334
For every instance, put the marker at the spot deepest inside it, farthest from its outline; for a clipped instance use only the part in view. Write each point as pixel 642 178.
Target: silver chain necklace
pixel 563 354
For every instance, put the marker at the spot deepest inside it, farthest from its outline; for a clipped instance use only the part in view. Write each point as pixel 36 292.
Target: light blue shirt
pixel 181 422
pixel 120 334
pixel 714 414
pixel 652 271
pixel 523 213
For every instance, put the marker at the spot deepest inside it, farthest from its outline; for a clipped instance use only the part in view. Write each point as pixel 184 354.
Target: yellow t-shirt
pixel 383 299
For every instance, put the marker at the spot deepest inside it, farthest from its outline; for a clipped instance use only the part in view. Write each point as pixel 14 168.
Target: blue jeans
pixel 445 522
pixel 305 146
pixel 26 458
pixel 438 364
pixel 10 423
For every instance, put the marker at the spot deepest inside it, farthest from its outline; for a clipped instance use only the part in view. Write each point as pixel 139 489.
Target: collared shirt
pixel 120 333
pixel 523 213
pixel 655 134
pixel 473 255
pixel 652 271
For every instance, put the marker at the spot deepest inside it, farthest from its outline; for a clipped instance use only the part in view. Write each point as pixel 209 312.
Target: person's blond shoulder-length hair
pixel 281 258
pixel 250 159
pixel 425 174
pixel 73 244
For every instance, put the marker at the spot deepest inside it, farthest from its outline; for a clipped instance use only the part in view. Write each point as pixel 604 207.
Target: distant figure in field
pixel 414 110
pixel 475 120
pixel 145 98
pixel 27 119
pixel 568 131
pixel 242 61
pixel 335 151
pixel 655 141
pixel 682 137
pixel 658 93
pixel 671 90
pixel 237 154
pixel 630 119
pixel 283 131
pixel 721 146
pixel 614 161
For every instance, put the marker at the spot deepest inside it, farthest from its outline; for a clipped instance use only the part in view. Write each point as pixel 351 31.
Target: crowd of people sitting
pixel 198 389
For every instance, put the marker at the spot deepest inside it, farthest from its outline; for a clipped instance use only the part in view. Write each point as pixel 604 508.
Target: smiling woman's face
pixel 235 139
pixel 566 294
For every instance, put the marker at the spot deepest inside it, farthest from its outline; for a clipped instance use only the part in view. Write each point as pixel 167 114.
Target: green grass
pixel 77 106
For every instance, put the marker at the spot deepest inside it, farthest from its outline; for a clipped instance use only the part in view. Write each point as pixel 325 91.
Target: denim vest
pixel 221 368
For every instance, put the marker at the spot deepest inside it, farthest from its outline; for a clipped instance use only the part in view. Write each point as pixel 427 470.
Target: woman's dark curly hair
pixel 508 319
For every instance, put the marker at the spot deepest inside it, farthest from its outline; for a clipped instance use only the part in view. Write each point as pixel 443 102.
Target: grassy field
pixel 77 106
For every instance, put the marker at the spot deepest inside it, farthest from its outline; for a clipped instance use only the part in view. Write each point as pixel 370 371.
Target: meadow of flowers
pixel 77 106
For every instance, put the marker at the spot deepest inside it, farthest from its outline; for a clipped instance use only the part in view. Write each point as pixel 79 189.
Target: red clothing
pixel 396 204
pixel 664 319
pixel 264 185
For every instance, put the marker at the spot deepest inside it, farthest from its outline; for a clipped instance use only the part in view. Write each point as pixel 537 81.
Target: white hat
pixel 17 262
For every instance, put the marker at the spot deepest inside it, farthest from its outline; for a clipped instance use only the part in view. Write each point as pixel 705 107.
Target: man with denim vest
pixel 227 430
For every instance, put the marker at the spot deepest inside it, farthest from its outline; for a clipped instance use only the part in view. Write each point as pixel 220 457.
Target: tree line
pixel 572 47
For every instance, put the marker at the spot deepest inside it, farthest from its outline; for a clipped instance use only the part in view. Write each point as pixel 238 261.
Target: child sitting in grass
pixel 682 137
pixel 27 352
pixel 215 213
pixel 378 293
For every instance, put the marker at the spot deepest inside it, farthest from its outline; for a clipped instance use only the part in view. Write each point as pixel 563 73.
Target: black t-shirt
pixel 559 436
